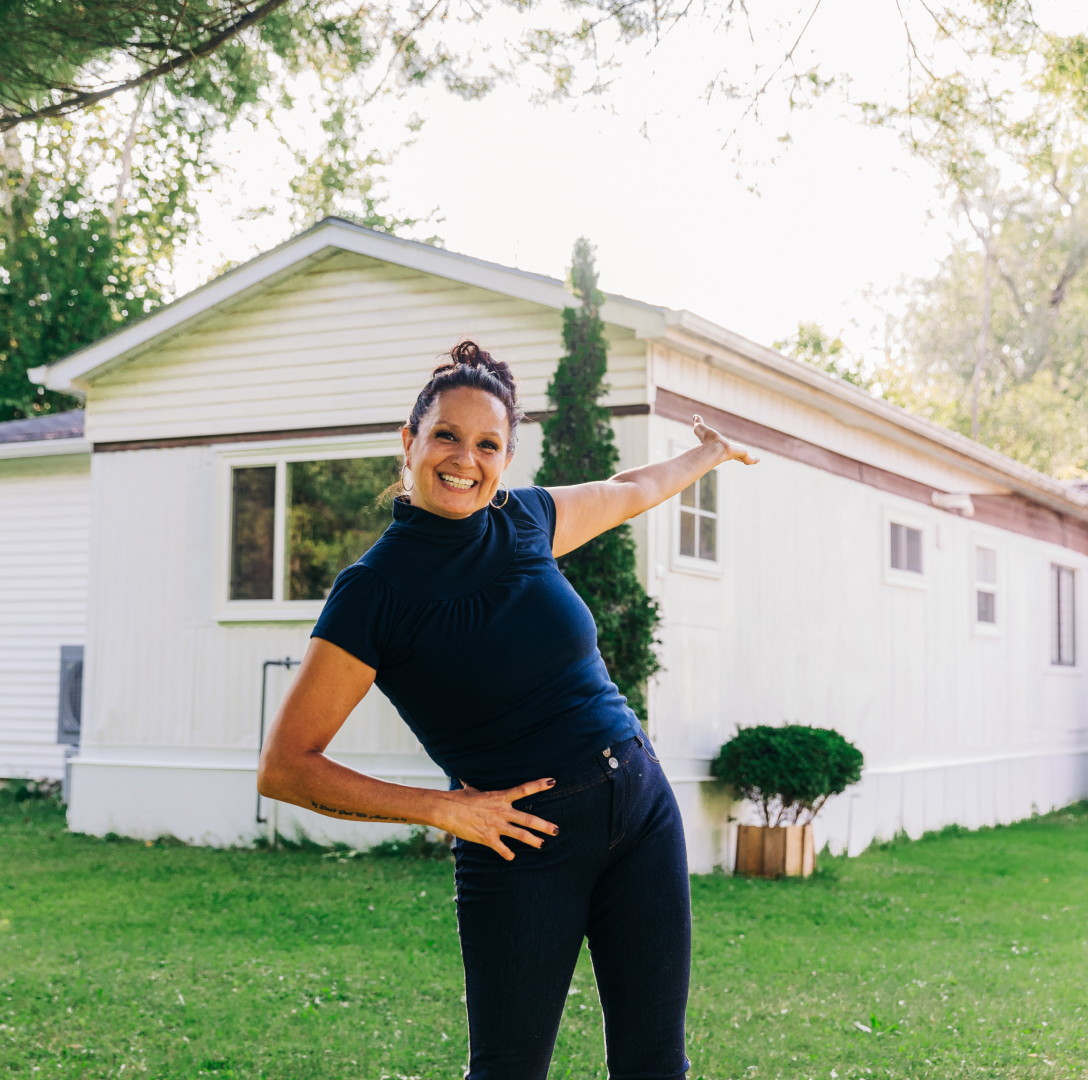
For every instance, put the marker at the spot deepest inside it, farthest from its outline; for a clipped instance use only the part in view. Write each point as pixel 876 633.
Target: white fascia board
pixel 323 241
pixel 700 338
pixel 44 448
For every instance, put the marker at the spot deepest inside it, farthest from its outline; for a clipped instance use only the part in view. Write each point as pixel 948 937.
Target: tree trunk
pixel 983 339
pixel 126 164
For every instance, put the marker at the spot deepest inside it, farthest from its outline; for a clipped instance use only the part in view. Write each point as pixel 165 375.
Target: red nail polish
pixel 551 783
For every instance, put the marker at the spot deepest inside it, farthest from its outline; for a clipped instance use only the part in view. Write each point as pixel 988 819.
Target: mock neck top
pixel 480 642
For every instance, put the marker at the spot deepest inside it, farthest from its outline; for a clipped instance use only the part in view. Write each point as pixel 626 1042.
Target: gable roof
pixel 680 330
pixel 322 241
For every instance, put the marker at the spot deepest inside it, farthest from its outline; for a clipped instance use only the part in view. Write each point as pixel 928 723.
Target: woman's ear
pixel 407 438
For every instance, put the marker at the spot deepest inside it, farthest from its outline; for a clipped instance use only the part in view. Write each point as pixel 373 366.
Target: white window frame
pixel 1051 602
pixel 906 579
pixel 688 564
pixel 983 629
pixel 277 454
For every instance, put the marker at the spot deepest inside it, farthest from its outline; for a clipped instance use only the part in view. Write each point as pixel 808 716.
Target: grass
pixel 962 954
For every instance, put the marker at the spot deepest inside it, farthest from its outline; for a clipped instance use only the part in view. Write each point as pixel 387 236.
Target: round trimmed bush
pixel 789 772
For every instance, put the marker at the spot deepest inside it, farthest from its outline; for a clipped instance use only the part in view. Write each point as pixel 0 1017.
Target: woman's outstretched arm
pixel 294 768
pixel 584 511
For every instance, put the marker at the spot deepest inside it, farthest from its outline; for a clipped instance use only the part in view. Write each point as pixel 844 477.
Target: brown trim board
pixel 304 433
pixel 1014 513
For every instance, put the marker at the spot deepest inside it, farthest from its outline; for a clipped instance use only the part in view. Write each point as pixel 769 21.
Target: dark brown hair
pixel 467 365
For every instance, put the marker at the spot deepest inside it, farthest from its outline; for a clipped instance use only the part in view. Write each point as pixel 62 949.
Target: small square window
pixel 906 548
pixel 697 537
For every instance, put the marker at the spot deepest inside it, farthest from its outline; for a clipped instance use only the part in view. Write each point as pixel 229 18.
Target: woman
pixel 566 827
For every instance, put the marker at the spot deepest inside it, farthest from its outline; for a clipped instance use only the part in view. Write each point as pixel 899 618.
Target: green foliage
pixel 64 284
pixel 332 518
pixel 816 346
pixel 788 771
pixel 967 948
pixel 579 447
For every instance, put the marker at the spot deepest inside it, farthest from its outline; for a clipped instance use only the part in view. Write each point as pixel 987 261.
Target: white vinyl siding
pixel 348 342
pixel 45 509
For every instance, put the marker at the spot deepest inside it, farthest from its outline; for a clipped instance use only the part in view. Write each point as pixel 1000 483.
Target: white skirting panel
pixel 887 801
pixel 211 800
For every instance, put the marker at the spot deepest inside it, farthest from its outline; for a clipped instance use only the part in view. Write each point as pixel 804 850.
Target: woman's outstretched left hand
pixel 708 437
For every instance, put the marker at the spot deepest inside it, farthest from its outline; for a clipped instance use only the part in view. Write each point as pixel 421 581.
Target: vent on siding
pixel 71 694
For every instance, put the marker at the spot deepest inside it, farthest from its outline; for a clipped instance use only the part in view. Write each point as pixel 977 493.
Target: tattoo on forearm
pixel 353 813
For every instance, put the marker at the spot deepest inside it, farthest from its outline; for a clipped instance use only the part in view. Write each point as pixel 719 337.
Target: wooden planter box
pixel 779 851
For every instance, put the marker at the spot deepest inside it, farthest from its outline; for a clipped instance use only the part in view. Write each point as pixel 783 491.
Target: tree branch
pixel 83 100
pixel 785 60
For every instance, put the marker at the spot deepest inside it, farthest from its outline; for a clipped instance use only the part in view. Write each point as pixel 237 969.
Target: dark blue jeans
pixel 617 875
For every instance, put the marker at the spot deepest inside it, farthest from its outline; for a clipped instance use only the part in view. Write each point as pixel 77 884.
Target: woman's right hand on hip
pixel 485 817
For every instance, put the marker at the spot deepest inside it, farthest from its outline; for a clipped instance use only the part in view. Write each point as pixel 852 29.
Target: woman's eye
pixel 487 444
pixel 444 435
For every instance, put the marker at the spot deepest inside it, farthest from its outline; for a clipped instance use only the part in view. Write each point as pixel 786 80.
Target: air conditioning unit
pixel 70 711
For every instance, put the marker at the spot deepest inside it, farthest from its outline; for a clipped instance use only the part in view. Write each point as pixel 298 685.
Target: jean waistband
pixel 595 770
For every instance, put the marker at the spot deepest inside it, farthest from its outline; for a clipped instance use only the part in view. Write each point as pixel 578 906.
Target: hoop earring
pixel 404 469
pixel 506 496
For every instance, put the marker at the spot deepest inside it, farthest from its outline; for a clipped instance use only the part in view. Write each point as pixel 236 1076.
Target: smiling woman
pixel 566 826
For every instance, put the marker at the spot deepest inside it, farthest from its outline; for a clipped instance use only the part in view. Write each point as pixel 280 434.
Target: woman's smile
pixel 457 483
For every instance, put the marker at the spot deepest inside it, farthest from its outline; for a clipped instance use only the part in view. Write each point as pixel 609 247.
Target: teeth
pixel 457 481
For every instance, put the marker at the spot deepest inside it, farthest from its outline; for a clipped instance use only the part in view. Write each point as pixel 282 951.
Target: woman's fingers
pixel 531 788
pixel 532 822
pixel 498 846
pixel 525 837
pixel 738 453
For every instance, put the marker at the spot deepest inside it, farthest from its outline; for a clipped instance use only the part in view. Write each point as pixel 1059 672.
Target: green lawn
pixel 960 954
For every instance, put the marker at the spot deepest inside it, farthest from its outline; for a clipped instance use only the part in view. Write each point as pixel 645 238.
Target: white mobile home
pixel 875 572
pixel 45 525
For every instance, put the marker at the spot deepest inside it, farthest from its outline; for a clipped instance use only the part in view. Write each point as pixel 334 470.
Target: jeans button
pixel 607 751
pixel 613 763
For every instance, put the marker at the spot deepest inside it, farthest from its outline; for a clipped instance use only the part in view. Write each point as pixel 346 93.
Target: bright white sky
pixel 841 214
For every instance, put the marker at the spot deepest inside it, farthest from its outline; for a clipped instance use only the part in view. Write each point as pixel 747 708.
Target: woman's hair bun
pixel 470 354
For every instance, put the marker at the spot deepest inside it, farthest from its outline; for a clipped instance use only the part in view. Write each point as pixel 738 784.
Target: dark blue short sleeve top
pixel 480 642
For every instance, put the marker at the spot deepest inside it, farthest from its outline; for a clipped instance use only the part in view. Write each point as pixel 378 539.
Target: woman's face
pixel 460 453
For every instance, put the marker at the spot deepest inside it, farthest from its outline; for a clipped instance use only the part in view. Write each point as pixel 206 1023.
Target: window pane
pixel 252 511
pixel 1063 650
pixel 687 534
pixel 687 496
pixel 708 492
pixel 986 565
pixel 986 607
pixel 899 554
pixel 914 550
pixel 332 519
pixel 708 538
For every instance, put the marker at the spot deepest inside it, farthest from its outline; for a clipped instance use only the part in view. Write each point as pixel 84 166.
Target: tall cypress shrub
pixel 579 447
